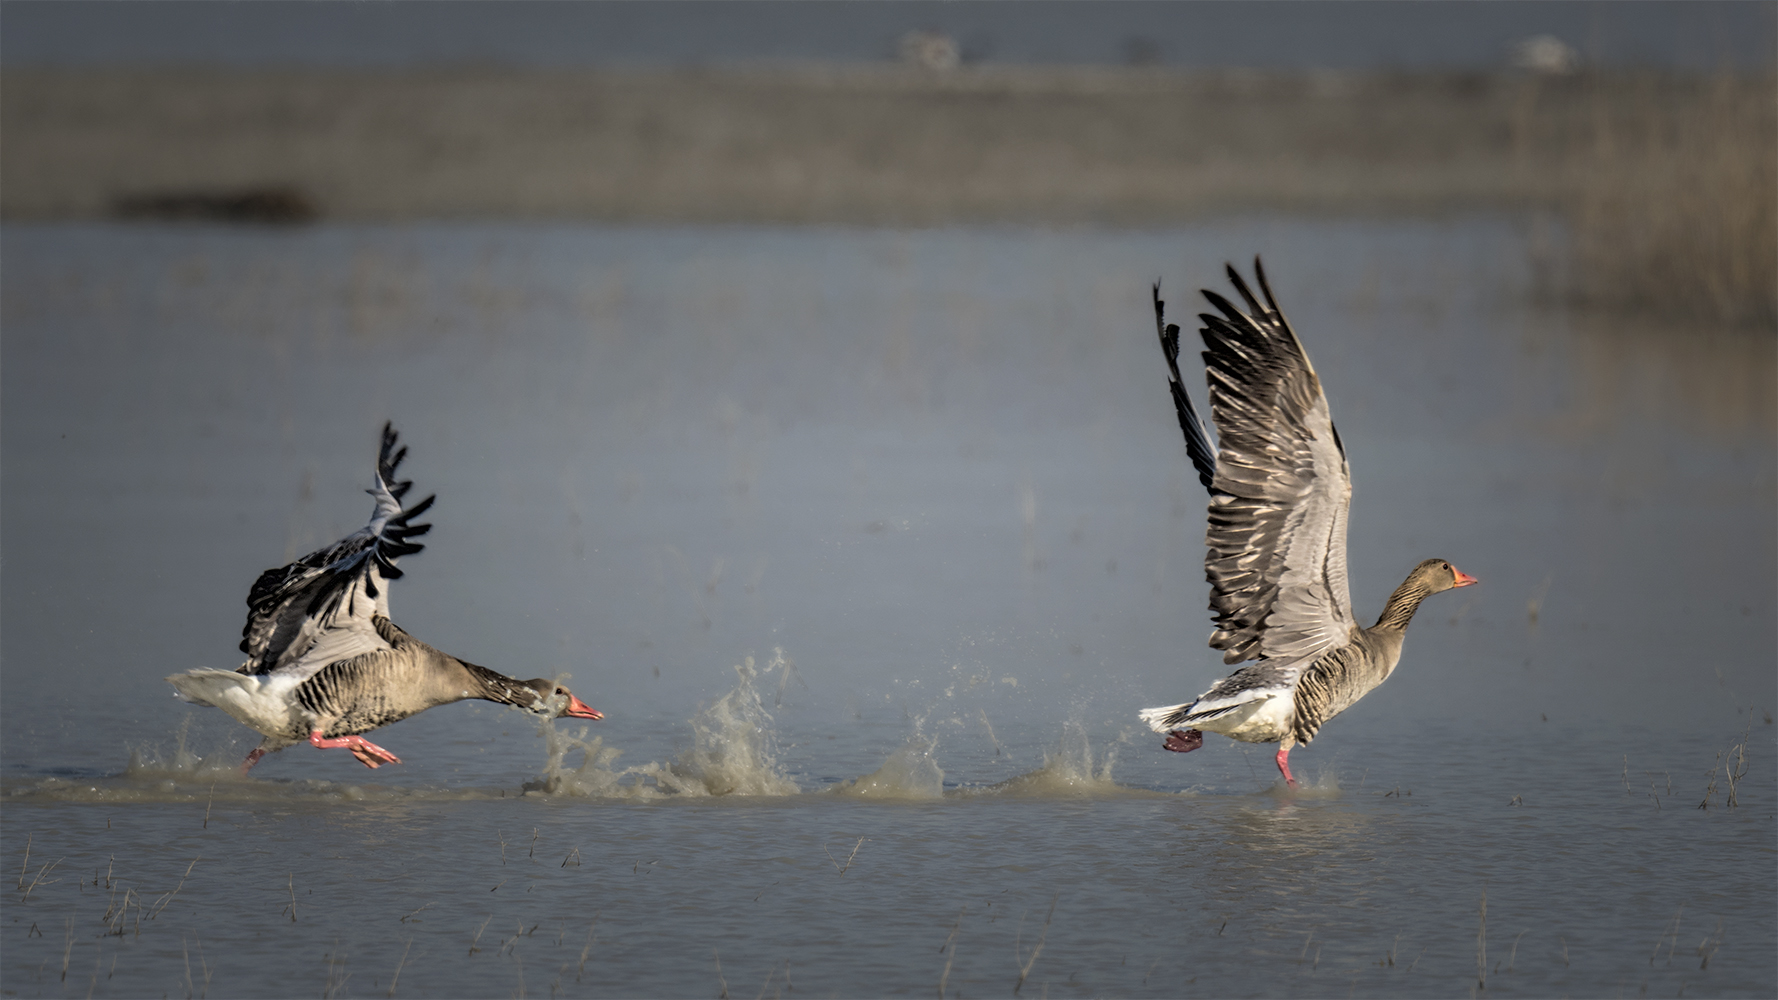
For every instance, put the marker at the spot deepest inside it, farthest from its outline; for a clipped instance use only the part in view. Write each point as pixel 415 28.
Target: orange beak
pixel 581 710
pixel 1463 579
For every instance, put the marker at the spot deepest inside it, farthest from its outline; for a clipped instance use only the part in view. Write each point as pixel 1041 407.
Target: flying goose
pixel 1279 492
pixel 325 663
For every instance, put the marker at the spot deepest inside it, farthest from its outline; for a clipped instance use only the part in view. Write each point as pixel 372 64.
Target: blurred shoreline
pixel 1639 164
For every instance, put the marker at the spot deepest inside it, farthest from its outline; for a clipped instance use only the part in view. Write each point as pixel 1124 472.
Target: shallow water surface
pixel 870 545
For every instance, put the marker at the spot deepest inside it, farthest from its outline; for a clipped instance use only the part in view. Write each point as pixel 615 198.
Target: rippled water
pixel 870 545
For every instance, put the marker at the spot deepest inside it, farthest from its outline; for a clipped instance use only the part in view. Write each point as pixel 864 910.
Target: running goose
pixel 325 663
pixel 1279 492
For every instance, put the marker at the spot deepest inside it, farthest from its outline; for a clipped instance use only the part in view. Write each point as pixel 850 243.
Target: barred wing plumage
pixel 319 609
pixel 1277 536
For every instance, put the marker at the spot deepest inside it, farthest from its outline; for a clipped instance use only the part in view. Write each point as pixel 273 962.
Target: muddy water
pixel 870 545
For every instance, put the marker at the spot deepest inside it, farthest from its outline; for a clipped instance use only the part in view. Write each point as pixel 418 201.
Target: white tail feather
pixel 1166 718
pixel 203 687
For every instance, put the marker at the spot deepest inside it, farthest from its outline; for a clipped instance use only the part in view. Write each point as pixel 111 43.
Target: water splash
pixel 911 772
pixel 733 752
pixel 181 762
pixel 204 768
pixel 1323 782
pixel 1068 771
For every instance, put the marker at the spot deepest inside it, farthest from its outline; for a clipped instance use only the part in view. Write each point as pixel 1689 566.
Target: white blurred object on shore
pixel 933 50
pixel 1546 54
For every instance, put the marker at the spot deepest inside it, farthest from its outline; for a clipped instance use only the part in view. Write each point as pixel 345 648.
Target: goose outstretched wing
pixel 320 608
pixel 1277 536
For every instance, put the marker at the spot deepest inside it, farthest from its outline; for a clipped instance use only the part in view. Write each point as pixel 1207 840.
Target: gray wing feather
pixel 321 607
pixel 1277 537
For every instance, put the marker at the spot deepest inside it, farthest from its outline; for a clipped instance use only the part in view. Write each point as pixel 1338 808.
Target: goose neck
pixel 1402 605
pixel 490 685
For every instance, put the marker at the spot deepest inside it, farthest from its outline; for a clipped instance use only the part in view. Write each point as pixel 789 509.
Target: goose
pixel 324 662
pixel 1279 493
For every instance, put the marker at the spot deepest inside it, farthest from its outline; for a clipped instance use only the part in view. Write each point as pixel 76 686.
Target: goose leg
pixel 1184 740
pixel 368 753
pixel 1284 761
pixel 252 759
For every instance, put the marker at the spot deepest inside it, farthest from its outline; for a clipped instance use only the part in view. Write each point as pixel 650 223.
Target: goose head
pixel 1438 575
pixel 554 701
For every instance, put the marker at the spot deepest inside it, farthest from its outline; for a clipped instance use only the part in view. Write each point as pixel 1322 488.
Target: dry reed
pixel 1710 788
pixel 837 866
pixel 1707 948
pixel 203 964
pixel 771 975
pixel 1737 756
pixel 1481 946
pixel 584 952
pixel 334 982
pixel 396 976
pixel 1675 204
pixel 945 976
pixel 35 882
pixel 1017 946
pixel 478 934
pixel 167 900
pixel 1673 927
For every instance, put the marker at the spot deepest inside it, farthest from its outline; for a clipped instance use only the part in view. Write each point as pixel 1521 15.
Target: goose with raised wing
pixel 1279 492
pixel 324 662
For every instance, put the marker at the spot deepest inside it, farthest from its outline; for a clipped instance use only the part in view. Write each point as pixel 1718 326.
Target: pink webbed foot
pixel 252 759
pixel 1284 766
pixel 368 753
pixel 1184 740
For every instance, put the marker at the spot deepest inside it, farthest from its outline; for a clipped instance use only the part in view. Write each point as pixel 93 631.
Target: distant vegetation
pixel 1666 182
pixel 1675 203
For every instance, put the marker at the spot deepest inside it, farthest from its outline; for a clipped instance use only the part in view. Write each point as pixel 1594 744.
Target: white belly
pixel 1262 720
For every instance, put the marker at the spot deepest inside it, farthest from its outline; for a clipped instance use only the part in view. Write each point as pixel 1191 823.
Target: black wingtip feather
pixel 1253 306
pixel 1168 333
pixel 1265 287
pixel 401 520
pixel 1197 437
pixel 389 458
pixel 1230 312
